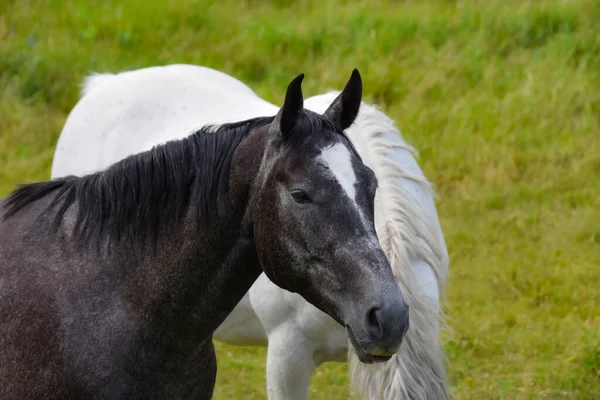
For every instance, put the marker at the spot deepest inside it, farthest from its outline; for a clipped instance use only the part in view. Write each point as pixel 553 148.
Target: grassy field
pixel 501 98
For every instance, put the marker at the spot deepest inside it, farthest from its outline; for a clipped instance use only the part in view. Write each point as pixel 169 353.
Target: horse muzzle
pixel 380 333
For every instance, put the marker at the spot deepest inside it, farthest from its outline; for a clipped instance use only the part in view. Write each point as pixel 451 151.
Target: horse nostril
pixel 374 325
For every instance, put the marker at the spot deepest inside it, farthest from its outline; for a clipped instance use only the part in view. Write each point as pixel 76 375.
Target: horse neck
pixel 199 274
pixel 197 269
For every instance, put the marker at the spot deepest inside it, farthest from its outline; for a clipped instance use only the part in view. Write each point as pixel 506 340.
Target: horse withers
pixel 112 284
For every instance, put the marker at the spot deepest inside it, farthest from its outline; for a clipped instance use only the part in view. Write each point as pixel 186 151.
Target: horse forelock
pixel 312 134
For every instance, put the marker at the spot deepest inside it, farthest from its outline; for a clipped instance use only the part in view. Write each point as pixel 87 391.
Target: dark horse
pixel 112 284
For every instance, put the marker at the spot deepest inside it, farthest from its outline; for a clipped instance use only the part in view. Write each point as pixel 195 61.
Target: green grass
pixel 501 97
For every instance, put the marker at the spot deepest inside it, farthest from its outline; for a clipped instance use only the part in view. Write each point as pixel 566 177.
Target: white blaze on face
pixel 339 161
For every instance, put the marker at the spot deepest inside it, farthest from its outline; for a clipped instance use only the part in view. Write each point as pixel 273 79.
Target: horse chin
pixel 362 355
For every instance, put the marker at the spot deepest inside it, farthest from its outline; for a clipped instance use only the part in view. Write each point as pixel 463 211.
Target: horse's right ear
pixel 344 108
pixel 293 105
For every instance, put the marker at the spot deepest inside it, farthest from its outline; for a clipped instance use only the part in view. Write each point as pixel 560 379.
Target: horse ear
pixel 345 107
pixel 293 105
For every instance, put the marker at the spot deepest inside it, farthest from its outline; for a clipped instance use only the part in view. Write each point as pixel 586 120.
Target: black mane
pixel 145 192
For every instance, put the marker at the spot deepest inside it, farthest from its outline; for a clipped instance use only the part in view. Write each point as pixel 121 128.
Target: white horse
pixel 126 113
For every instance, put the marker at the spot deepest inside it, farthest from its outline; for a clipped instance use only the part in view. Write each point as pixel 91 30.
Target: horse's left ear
pixel 345 107
pixel 293 105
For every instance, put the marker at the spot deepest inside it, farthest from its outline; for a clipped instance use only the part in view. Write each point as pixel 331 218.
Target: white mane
pixel 404 234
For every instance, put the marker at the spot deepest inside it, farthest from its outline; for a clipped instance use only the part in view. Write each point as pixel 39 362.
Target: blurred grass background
pixel 501 98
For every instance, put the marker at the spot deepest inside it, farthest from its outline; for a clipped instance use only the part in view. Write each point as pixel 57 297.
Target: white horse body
pixel 133 111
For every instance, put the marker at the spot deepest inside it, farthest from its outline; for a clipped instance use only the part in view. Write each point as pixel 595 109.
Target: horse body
pixel 132 111
pixel 113 283
pixel 120 322
pixel 113 341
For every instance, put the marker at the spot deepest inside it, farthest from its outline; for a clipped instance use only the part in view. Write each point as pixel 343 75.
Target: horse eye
pixel 300 196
